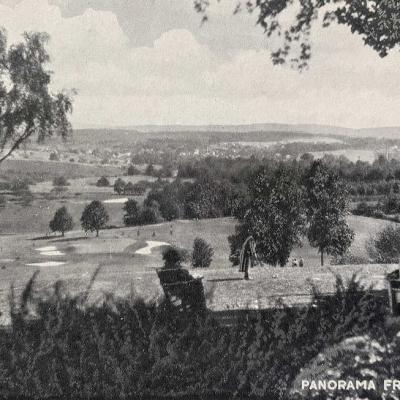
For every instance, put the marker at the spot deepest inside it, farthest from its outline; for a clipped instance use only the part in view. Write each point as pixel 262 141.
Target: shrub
pixel 126 348
pixel 150 170
pixel 60 181
pixel 119 186
pixel 150 215
pixel 202 254
pixel 19 186
pixel 103 182
pixel 54 156
pixel 349 258
pixel 132 170
pixel 384 247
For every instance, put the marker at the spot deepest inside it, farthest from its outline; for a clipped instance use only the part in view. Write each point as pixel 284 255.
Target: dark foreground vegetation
pixel 64 346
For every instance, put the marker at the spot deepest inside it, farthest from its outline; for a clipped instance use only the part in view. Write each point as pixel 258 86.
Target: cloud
pixel 179 78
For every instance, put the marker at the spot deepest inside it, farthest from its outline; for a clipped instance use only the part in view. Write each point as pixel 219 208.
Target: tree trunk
pixel 322 257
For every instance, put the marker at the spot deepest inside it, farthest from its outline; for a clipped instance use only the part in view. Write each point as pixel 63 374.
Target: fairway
pixel 128 258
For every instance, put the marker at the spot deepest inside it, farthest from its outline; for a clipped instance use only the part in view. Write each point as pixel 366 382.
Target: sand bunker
pixel 150 245
pixel 46 248
pixel 116 201
pixel 46 264
pixel 52 253
pixel 49 251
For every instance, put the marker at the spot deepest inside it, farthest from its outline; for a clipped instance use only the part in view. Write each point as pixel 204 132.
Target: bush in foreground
pixel 64 346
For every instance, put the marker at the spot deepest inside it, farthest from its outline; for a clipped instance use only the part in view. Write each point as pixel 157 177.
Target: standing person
pixel 247 256
pixel 294 262
pixel 301 262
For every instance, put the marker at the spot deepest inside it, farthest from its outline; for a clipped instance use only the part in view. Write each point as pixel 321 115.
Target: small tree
pixel 94 217
pixel 327 208
pixel 119 186
pixel 132 213
pixel 202 253
pixel 62 221
pixel 103 182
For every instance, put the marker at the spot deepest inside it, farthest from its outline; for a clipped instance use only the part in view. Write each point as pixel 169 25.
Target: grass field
pixel 40 171
pixel 123 268
pixel 88 184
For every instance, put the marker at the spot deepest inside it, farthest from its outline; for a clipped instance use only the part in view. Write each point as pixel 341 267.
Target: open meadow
pixel 128 258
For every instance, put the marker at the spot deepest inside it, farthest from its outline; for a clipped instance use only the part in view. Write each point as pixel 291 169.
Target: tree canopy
pixel 94 217
pixel 376 21
pixel 275 216
pixel 27 107
pixel 62 221
pixel 327 208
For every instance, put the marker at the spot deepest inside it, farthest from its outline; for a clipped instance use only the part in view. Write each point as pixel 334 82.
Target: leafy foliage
pixel 376 21
pixel 62 221
pixel 132 170
pixel 103 182
pixel 27 108
pixel 327 207
pixel 67 347
pixel 202 253
pixel 94 217
pixel 132 215
pixel 119 186
pixel 60 181
pixel 275 215
pixel 384 247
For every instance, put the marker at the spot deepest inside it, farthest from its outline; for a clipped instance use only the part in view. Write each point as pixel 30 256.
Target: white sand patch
pixel 46 264
pixel 49 251
pixel 150 245
pixel 52 253
pixel 47 248
pixel 116 201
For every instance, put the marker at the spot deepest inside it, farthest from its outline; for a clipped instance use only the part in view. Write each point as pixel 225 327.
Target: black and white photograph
pixel 200 199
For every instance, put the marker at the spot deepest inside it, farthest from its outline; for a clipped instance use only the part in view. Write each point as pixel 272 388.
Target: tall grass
pixel 65 346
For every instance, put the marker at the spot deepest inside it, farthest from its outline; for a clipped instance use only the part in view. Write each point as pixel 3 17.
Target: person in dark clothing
pixel 248 256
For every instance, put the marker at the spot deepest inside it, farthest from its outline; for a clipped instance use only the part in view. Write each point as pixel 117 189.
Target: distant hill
pixel 299 128
pixel 315 129
pixel 271 131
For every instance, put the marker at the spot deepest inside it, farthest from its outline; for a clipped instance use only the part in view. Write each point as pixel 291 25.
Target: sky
pixel 138 62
